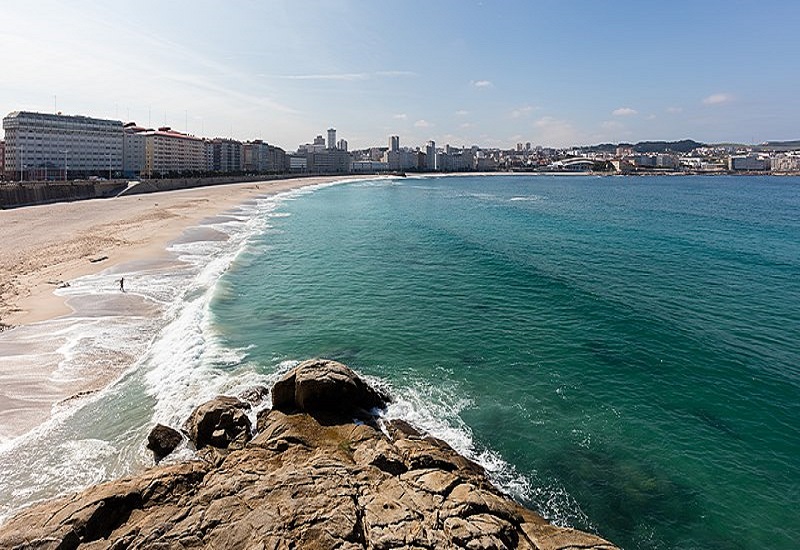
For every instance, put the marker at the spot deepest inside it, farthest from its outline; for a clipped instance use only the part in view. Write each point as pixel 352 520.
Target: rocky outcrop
pixel 221 423
pixel 162 440
pixel 325 389
pixel 301 482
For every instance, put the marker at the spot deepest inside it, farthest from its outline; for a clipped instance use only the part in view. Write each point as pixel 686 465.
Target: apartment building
pixel 168 152
pixel 133 150
pixel 786 162
pixel 228 155
pixel 55 146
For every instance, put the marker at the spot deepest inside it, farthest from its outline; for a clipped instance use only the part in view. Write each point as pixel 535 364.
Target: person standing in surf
pixel 122 284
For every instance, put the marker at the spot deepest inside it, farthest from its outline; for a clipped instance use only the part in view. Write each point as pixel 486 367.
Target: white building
pixel 430 155
pixel 297 163
pixel 168 152
pixel 46 146
pixel 402 159
pixel 394 143
pixel 369 166
pixel 786 162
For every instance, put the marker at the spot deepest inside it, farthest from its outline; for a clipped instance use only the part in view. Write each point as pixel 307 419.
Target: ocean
pixel 620 353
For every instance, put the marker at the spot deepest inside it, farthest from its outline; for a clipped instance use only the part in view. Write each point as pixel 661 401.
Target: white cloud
pixel 624 111
pixel 612 125
pixel 651 117
pixel 334 76
pixel 395 74
pixel 522 111
pixel 462 112
pixel 482 84
pixel 555 132
pixel 466 125
pixel 674 110
pixel 400 116
pixel 718 99
pixel 422 123
pixel 345 77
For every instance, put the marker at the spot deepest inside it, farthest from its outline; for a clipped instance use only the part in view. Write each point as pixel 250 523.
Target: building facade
pixel 430 155
pixel 786 162
pixel 46 146
pixel 748 163
pixel 256 156
pixel 331 138
pixel 330 161
pixel 402 159
pixel 133 151
pixel 228 156
pixel 2 160
pixel 171 153
pixel 296 163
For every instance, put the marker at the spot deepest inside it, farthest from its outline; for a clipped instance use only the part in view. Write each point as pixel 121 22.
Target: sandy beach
pixel 47 246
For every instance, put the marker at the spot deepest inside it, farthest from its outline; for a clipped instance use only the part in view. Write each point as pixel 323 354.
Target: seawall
pixel 29 193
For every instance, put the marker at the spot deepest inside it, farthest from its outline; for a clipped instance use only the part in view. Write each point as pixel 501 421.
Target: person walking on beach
pixel 122 284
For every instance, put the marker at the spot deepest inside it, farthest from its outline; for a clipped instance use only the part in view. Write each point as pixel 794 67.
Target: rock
pixel 162 440
pixel 323 387
pixel 255 395
pixel 302 482
pixel 220 423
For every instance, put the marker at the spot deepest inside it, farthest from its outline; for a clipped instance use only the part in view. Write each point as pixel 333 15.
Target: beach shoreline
pixel 47 246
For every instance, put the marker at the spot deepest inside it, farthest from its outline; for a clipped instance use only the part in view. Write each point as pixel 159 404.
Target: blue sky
pixel 460 72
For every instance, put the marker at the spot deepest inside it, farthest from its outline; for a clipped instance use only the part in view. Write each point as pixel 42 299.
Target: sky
pixel 491 73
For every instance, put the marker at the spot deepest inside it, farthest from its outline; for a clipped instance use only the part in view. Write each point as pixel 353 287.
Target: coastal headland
pixel 319 469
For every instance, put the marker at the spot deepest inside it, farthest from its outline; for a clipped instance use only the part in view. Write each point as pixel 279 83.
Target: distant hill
pixel 779 146
pixel 683 146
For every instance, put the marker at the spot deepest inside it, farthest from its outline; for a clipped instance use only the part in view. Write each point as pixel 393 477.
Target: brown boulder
pixel 162 440
pixel 323 387
pixel 220 423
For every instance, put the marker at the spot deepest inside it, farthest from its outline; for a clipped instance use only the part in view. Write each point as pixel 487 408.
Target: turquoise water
pixel 622 353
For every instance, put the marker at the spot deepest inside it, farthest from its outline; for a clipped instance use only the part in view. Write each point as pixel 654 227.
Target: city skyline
pixel 455 73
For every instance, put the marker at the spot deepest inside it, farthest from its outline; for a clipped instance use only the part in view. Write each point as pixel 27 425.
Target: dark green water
pixel 622 353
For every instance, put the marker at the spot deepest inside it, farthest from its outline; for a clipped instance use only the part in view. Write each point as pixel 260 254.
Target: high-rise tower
pixel 331 138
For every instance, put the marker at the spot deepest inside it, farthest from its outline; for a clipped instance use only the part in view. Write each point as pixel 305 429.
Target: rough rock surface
pixel 221 423
pixel 162 440
pixel 300 483
pixel 325 388
pixel 254 395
